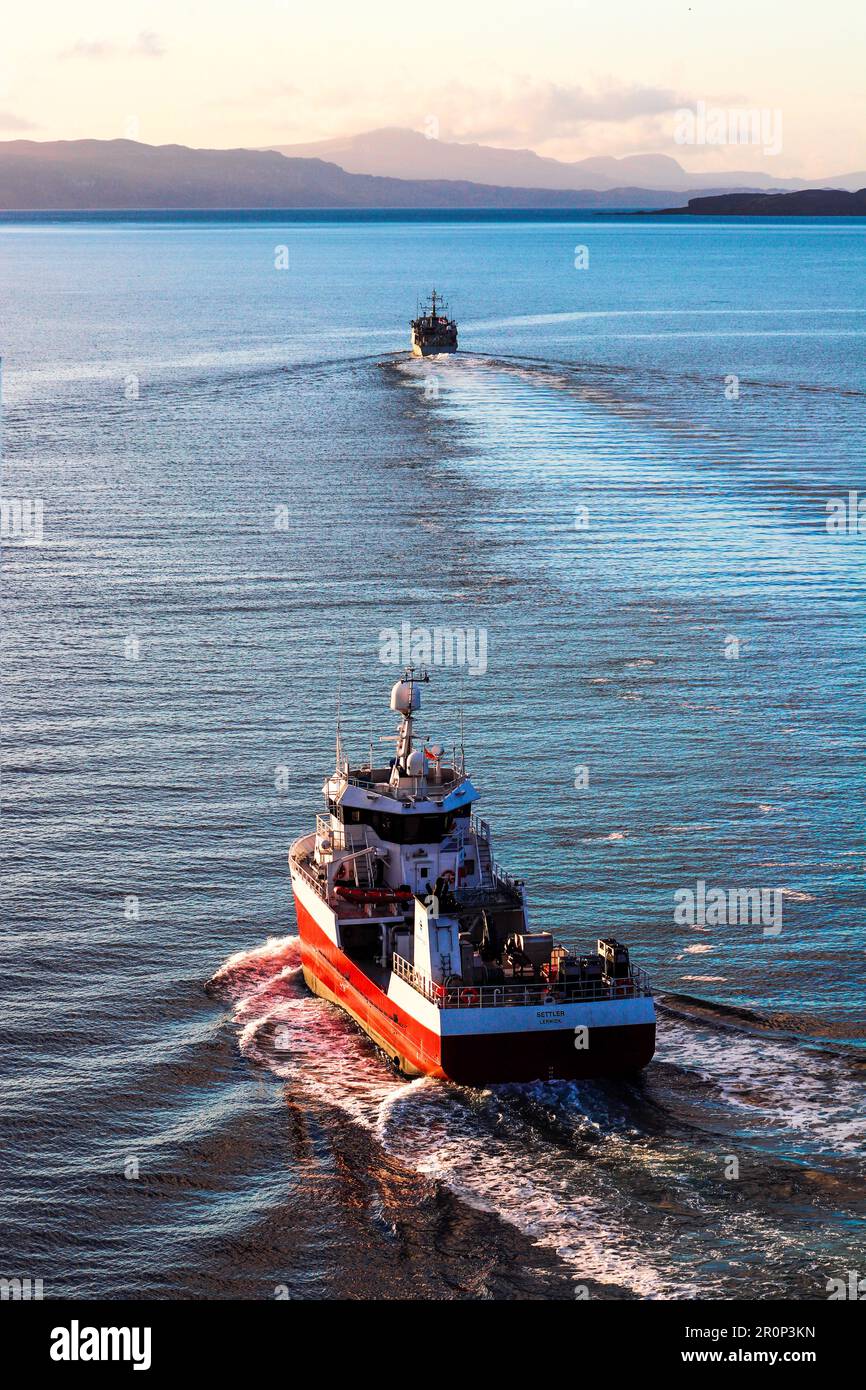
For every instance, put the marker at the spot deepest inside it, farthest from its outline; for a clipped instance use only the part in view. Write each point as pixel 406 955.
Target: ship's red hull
pixel 471 1059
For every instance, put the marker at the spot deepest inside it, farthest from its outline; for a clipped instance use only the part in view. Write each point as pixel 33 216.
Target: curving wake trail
pixel 624 1182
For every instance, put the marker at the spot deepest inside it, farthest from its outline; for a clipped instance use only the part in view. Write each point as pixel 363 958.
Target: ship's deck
pixel 516 984
pixel 516 990
pixel 378 779
pixel 468 902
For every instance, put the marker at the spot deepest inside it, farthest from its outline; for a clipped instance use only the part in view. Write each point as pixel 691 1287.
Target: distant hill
pixel 808 202
pixel 80 175
pixel 394 152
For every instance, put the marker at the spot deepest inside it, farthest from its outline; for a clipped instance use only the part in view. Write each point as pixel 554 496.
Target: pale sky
pixel 564 77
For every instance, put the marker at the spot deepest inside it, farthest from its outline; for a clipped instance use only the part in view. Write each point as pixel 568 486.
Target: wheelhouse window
pixel 413 829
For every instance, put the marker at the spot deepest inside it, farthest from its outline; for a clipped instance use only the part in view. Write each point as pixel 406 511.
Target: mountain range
pixel 79 175
pixel 407 154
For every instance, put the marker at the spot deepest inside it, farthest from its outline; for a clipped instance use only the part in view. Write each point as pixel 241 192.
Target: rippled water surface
pixel 245 480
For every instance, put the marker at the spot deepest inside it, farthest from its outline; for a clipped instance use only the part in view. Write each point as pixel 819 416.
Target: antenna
pixel 462 727
pixel 339 749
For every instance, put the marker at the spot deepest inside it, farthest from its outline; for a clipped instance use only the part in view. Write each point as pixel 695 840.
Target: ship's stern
pixel 556 1041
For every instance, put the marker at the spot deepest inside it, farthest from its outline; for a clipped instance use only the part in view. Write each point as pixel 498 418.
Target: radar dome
pixel 415 763
pixel 405 697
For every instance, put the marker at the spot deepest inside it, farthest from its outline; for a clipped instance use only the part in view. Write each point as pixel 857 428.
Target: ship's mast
pixel 404 701
pixel 340 754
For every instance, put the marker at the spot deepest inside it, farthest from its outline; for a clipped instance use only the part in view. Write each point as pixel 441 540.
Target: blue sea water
pixel 623 479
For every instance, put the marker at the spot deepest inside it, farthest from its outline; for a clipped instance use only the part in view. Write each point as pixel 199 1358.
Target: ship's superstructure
pixel 432 331
pixel 407 922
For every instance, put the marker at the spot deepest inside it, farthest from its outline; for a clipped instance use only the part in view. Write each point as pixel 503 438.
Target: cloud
pixel 562 119
pixel 90 48
pixel 9 121
pixel 538 112
pixel 145 45
pixel 148 45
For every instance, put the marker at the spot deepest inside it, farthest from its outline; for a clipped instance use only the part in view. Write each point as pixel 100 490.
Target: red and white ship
pixel 408 923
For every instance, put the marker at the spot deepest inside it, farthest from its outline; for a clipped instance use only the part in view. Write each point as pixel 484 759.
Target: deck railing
pixel 344 907
pixel 436 791
pixel 345 837
pixel 317 884
pixel 413 977
pixel 480 828
pixel 514 993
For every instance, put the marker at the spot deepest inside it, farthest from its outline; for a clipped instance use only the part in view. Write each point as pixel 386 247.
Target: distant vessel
pixel 407 922
pixel 432 331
